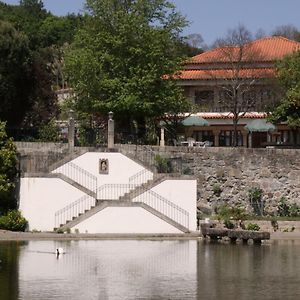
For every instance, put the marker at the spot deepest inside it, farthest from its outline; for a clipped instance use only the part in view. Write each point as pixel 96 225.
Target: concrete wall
pixel 182 193
pixel 121 168
pixel 40 198
pixel 124 220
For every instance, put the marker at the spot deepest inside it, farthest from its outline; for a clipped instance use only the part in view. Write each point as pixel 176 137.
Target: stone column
pixel 110 131
pixel 250 140
pixel 245 135
pixel 162 136
pixel 71 131
pixel 216 134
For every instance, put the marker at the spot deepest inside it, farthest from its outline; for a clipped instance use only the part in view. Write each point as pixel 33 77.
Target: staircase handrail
pixel 79 175
pixel 165 206
pixel 73 209
pixel 141 177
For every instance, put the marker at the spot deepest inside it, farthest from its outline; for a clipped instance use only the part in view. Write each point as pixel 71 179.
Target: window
pixel 226 138
pixel 204 97
pixel 204 135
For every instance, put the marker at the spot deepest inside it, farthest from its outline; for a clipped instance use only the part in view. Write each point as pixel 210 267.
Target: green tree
pixel 119 60
pixel 15 79
pixel 288 109
pixel 8 171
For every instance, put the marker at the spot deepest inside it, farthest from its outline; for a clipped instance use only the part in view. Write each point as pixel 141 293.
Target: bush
pixel 255 198
pixel 226 212
pixel 13 221
pixel 287 210
pixel 253 227
pixel 217 189
pixel 163 165
pixel 228 224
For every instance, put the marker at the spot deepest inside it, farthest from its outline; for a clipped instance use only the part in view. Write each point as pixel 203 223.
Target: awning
pixel 260 125
pixel 194 121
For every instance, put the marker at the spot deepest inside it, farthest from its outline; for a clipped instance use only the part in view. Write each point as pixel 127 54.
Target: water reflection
pixel 148 270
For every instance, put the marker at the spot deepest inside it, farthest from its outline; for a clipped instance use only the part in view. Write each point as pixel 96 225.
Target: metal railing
pixel 79 175
pixel 141 177
pixel 73 210
pixel 114 191
pixel 165 207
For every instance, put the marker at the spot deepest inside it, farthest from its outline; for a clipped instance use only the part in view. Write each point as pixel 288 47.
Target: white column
pixel 162 137
pixel 110 131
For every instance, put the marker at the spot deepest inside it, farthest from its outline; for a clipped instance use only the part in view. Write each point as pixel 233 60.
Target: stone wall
pixel 233 171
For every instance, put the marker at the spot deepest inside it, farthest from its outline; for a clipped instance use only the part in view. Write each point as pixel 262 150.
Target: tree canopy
pixel 120 59
pixel 31 61
pixel 288 109
pixel 8 172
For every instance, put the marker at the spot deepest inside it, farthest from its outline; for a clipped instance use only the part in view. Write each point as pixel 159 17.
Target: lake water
pixel 122 269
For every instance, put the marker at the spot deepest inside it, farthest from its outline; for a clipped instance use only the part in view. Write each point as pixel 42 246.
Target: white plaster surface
pixel 124 220
pixel 184 194
pixel 121 168
pixel 40 198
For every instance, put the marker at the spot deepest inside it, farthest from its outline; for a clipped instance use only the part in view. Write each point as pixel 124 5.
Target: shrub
pixel 228 224
pixel 163 164
pixel 217 189
pixel 287 210
pixel 49 132
pixel 253 227
pixel 226 212
pixel 255 199
pixel 13 221
pixel 283 207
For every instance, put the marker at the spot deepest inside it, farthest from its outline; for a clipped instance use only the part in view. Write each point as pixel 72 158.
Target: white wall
pixel 40 198
pixel 124 220
pixel 120 167
pixel 181 192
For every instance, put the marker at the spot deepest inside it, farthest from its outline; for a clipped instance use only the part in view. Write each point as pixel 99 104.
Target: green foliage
pixel 217 189
pixel 226 212
pixel 49 132
pixel 13 221
pixel 228 224
pixel 15 83
pixel 274 224
pixel 163 164
pixel 288 109
pixel 255 198
pixel 119 60
pixel 253 227
pixel 286 209
pixel 29 41
pixel 8 171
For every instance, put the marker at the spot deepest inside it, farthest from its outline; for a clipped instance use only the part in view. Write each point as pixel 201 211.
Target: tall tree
pixel 238 88
pixel 8 171
pixel 288 109
pixel 15 83
pixel 289 31
pixel 119 60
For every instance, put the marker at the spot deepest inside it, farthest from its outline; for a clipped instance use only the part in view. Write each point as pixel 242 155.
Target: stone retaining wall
pixel 233 171
pixel 224 175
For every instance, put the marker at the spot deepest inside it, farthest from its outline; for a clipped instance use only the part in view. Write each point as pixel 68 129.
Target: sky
pixel 212 18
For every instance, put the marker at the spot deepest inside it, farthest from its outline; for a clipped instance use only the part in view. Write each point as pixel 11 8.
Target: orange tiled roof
pixel 265 49
pixel 225 74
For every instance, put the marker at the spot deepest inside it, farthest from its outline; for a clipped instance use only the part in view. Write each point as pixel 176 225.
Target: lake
pixel 130 269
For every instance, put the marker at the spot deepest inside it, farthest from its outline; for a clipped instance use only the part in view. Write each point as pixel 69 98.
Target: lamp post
pixel 110 131
pixel 71 130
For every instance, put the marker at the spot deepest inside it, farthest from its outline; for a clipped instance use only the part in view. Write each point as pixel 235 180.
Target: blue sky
pixel 212 18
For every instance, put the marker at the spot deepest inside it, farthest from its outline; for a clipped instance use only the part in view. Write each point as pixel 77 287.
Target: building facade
pixel 237 84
